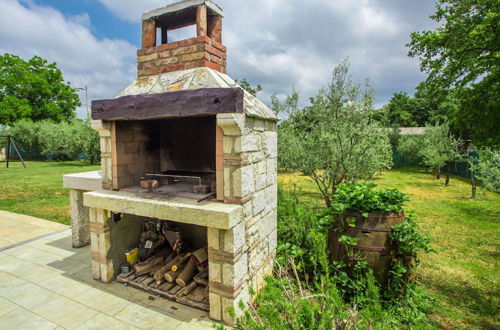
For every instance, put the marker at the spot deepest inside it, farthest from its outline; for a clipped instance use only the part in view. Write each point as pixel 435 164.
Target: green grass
pixel 37 190
pixel 463 272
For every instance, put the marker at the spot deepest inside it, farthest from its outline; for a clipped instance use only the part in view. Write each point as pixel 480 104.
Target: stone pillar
pixel 79 219
pixel 228 269
pixel 105 129
pixel 102 266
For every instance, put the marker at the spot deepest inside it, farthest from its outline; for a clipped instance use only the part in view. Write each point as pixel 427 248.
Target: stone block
pixel 215 306
pixel 272 171
pixel 243 181
pixel 247 143
pixel 215 272
pixel 228 144
pixel 233 124
pixel 80 223
pixel 228 191
pixel 234 239
pixel 213 238
pixel 260 175
pixel 259 124
pixel 273 243
pixel 270 142
pixel 259 201
pixel 267 224
pixel 271 196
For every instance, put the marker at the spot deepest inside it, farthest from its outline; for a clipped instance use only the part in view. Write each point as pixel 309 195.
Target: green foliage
pixel 463 54
pixel 311 292
pixel 411 146
pixel 487 169
pixel 35 90
pixel 302 233
pixel 439 147
pixel 362 198
pixel 335 139
pixel 61 141
pixel 407 243
pixel 248 87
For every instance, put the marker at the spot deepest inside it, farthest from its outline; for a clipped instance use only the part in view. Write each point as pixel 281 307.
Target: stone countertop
pixel 208 214
pixel 88 181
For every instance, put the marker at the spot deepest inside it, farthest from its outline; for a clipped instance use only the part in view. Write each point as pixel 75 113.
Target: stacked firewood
pixel 173 271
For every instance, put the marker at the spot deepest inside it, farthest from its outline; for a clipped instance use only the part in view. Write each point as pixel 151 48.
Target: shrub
pixel 362 198
pixel 61 141
pixel 309 292
pixel 487 169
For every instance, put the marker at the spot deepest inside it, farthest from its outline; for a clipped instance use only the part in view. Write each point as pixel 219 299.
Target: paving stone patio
pixel 47 284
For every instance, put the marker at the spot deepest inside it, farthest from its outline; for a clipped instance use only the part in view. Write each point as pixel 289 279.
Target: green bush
pixel 310 292
pixel 362 198
pixel 60 141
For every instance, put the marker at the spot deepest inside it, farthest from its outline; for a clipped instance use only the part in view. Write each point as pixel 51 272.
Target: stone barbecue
pixel 186 147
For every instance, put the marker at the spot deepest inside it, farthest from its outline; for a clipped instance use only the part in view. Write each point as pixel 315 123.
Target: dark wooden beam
pixel 185 103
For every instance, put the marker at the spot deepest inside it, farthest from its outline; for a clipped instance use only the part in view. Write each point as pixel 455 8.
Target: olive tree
pixel 486 169
pixel 335 139
pixel 439 147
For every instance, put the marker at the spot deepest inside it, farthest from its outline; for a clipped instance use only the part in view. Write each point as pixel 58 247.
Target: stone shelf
pixel 208 214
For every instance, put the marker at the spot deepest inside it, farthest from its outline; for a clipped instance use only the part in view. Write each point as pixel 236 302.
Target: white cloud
pixel 105 65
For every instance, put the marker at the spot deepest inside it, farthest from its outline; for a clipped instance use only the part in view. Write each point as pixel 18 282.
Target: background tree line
pixel 38 108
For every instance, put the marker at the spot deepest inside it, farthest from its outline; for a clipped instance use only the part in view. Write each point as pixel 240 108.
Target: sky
pixel 279 44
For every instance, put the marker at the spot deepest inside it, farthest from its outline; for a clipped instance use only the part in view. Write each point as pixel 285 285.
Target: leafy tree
pixel 463 54
pixel 399 111
pixel 35 90
pixel 411 146
pixel 335 139
pixel 487 170
pixel 289 106
pixel 439 147
pixel 248 87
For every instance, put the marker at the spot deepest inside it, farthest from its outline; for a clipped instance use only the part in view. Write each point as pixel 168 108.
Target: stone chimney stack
pixel 204 50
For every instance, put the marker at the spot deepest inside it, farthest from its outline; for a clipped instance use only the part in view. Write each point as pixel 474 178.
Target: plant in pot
pixel 361 231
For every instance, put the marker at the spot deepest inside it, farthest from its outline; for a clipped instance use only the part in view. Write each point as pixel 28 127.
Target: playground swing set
pixel 8 149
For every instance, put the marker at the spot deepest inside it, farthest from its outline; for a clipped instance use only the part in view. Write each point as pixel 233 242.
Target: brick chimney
pixel 204 50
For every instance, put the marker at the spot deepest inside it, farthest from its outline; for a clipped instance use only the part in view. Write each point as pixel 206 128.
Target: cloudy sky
pixel 275 43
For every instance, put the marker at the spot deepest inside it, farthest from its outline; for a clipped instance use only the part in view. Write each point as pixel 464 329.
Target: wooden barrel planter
pixel 374 244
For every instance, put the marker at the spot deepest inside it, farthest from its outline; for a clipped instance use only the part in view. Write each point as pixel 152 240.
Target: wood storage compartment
pixel 374 244
pixel 174 265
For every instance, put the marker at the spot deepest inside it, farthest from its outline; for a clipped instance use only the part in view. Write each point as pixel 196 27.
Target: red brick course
pixel 186 54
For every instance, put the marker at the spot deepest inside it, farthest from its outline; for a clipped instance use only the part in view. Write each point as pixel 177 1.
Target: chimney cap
pixel 180 6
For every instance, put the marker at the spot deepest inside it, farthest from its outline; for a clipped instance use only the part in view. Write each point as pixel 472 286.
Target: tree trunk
pixel 438 173
pixel 447 178
pixel 473 184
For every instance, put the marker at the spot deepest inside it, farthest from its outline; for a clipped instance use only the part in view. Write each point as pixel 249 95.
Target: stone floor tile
pixel 34 273
pixel 4 242
pixel 66 266
pixel 6 306
pixel 21 318
pixel 103 321
pixel 102 301
pixel 195 325
pixel 145 318
pixel 64 286
pixel 19 251
pixel 38 257
pixel 65 312
pixel 8 263
pixel 28 295
pixel 7 281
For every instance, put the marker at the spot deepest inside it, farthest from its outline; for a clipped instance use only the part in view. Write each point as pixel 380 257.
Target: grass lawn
pixel 37 190
pixel 463 273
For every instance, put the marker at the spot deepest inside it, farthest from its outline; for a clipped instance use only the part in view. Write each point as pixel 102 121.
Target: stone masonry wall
pixel 241 257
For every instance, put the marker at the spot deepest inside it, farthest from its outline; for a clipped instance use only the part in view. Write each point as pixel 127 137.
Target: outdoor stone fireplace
pixel 184 119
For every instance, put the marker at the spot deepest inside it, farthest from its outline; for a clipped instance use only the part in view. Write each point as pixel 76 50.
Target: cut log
pixel 202 277
pixel 159 275
pixel 181 262
pixel 189 288
pixel 171 276
pixel 187 273
pixel 146 266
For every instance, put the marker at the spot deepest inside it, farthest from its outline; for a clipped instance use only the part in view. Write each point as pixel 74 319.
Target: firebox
pixel 189 163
